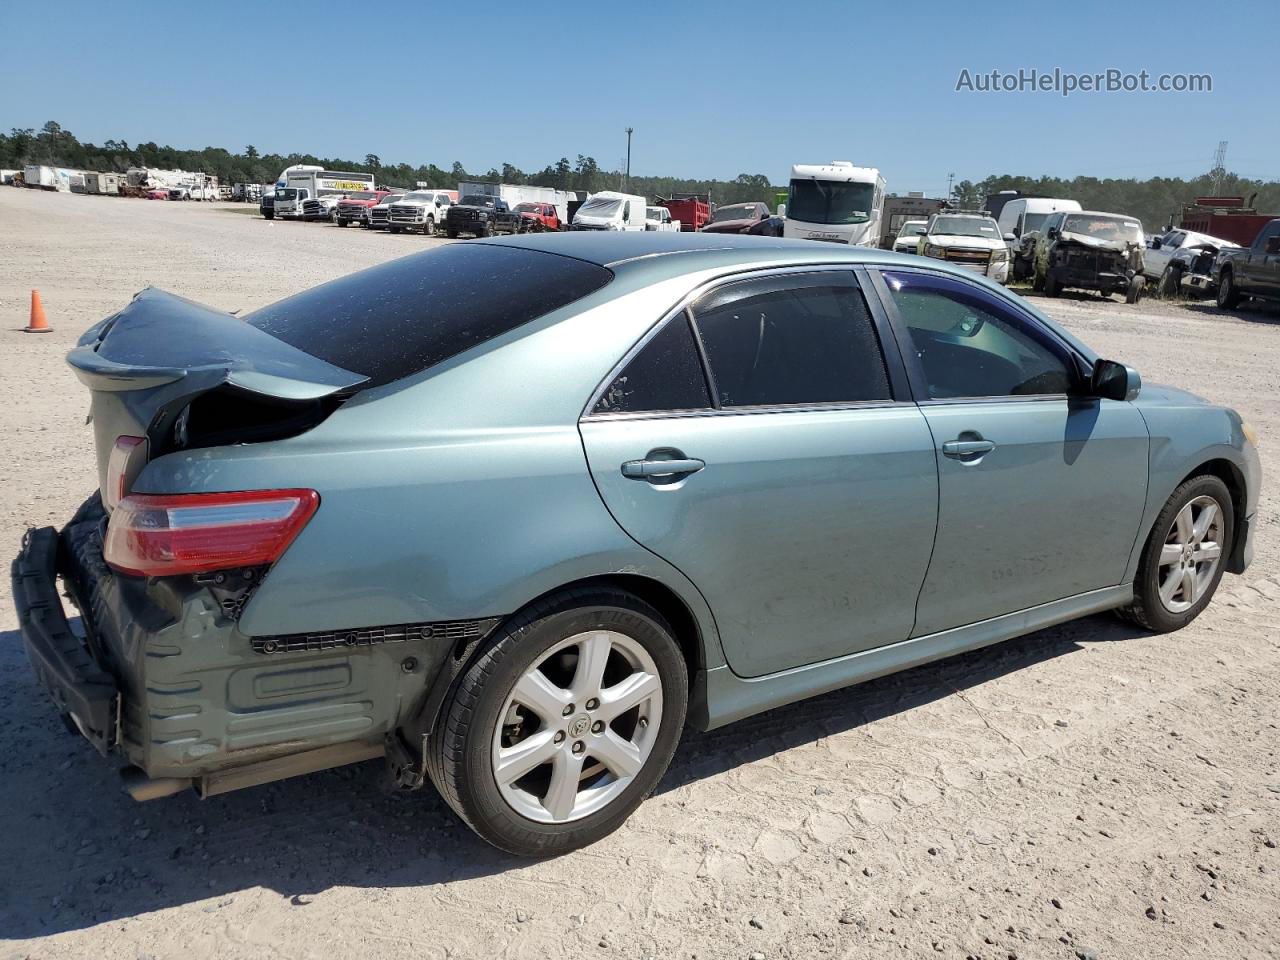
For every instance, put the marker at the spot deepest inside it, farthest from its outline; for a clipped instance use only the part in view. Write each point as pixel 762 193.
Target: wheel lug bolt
pixel 559 737
pixel 568 709
pixel 579 746
pixel 592 703
pixel 597 726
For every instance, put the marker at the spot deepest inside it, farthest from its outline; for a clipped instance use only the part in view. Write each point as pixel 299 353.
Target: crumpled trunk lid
pixel 145 365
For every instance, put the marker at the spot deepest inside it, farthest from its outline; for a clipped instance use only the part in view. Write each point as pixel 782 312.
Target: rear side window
pixel 665 375
pixel 791 340
pixel 400 318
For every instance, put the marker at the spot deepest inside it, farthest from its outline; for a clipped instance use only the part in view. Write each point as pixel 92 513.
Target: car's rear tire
pixel 1184 557
pixel 1228 295
pixel 539 757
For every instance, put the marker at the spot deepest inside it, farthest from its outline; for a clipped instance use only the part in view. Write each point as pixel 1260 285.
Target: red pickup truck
pixel 354 207
pixel 537 217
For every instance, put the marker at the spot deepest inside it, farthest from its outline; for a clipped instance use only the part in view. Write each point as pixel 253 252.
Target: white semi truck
pixel 836 202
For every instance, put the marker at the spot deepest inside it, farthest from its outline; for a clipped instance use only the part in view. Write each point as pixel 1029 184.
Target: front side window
pixel 968 344
pixel 791 340
pixel 665 375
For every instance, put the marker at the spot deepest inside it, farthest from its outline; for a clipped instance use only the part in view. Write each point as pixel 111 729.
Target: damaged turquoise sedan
pixel 512 513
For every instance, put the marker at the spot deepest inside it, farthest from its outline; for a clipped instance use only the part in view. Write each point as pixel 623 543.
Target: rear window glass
pixel 402 317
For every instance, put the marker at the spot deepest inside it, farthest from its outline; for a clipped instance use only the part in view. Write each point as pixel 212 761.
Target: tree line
pixel 1154 201
pixel 54 145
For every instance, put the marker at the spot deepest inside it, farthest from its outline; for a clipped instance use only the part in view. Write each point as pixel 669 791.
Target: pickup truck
pixel 355 207
pixel 1250 272
pixel 481 215
pixel 658 219
pixel 539 216
pixel 420 211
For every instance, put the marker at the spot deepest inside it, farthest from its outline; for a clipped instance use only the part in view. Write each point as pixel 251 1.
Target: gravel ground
pixel 1084 791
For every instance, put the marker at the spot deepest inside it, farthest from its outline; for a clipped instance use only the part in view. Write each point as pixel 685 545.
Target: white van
pixel 837 202
pixel 607 210
pixel 1022 218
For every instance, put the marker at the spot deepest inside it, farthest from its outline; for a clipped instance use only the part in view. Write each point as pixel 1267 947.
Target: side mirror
pixel 1053 232
pixel 1009 238
pixel 1155 243
pixel 1114 381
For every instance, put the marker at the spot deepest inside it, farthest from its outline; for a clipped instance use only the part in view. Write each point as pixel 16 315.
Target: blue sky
pixel 712 89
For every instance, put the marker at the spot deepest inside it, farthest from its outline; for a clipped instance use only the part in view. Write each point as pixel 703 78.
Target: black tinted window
pixel 404 316
pixel 970 345
pixel 791 339
pixel 665 375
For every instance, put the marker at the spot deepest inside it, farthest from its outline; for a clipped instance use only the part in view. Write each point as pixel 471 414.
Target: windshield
pixel 393 198
pixel 600 207
pixel 653 213
pixel 1033 221
pixel 1104 228
pixel 739 211
pixel 826 201
pixel 912 228
pixel 964 227
pixel 283 194
pixel 419 197
pixel 477 200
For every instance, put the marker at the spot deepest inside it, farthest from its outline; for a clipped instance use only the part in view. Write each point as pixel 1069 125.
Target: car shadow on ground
pixel 1255 311
pixel 93 855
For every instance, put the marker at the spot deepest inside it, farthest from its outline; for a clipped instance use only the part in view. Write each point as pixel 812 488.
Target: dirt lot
pixel 1085 791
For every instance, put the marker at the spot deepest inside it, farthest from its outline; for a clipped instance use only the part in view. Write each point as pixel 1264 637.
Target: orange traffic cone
pixel 38 322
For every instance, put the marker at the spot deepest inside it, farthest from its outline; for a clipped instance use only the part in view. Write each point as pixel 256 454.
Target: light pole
pixel 627 181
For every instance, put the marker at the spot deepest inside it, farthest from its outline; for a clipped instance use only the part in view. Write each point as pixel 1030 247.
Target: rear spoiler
pixel 161 339
pixel 146 364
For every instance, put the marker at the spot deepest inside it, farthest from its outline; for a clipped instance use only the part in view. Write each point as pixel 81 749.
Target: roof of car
pixel 692 251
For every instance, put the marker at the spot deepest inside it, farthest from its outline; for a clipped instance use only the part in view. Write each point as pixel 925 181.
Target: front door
pixel 1041 489
pixel 791 487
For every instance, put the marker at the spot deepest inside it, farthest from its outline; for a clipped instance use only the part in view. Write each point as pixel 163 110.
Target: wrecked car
pixel 509 513
pixel 1090 250
pixel 1178 258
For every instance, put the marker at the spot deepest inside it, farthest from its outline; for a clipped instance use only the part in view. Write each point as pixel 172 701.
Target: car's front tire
pixel 1184 557
pixel 563 724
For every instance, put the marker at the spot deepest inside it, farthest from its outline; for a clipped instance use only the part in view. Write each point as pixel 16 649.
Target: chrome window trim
pixel 685 306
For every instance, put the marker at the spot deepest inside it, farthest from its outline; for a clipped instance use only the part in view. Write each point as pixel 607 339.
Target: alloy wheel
pixel 1191 554
pixel 577 727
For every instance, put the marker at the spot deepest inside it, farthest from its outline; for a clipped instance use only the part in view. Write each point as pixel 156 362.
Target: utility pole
pixel 627 181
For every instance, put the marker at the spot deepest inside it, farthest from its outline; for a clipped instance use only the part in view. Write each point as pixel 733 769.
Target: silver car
pixel 511 514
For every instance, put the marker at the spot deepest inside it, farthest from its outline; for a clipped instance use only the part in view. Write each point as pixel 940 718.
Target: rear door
pixel 795 485
pixel 1041 489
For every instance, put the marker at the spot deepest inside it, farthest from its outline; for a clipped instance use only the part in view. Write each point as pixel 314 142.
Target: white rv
pixel 837 202
pixel 607 210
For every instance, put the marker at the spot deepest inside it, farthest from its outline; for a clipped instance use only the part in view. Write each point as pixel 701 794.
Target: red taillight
pixel 128 456
pixel 150 535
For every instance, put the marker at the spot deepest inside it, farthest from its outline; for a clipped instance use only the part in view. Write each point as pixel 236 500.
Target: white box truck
pixel 836 202
pixel 324 187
